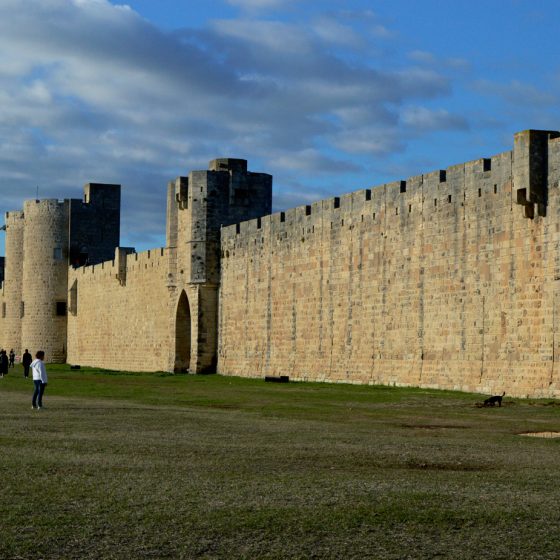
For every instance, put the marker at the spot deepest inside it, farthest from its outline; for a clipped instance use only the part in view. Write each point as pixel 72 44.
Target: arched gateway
pixel 183 334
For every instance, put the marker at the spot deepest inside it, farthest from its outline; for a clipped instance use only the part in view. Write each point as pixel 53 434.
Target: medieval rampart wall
pixel 118 313
pixel 440 281
pixel 11 296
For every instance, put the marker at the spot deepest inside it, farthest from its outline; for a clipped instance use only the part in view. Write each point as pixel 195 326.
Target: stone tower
pixel 12 286
pixel 41 243
pixel 44 285
pixel 197 207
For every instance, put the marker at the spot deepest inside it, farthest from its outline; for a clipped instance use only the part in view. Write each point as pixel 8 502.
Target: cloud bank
pixel 92 91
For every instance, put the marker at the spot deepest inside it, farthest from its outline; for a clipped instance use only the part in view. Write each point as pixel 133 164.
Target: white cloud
pixel 274 36
pixel 430 59
pixel 424 119
pixel 369 139
pixel 423 57
pixel 517 93
pixel 332 31
pixel 381 32
pixel 90 91
pixel 312 161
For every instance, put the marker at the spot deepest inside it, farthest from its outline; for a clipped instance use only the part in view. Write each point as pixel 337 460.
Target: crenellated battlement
pixel 45 205
pixel 13 217
pixel 129 260
pixel 463 184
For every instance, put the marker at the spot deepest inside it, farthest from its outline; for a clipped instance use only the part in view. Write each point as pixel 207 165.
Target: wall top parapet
pixel 228 164
pixel 477 169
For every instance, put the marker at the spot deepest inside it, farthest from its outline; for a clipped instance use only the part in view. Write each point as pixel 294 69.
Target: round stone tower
pixel 45 278
pixel 10 337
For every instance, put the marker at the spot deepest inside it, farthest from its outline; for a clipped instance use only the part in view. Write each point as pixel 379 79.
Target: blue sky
pixel 328 96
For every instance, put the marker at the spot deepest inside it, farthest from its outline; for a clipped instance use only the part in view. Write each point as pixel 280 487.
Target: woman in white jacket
pixel 39 379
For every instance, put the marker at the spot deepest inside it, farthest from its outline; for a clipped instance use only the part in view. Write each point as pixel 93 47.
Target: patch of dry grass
pixel 138 466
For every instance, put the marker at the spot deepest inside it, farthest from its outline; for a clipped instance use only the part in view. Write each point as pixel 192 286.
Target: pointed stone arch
pixel 183 334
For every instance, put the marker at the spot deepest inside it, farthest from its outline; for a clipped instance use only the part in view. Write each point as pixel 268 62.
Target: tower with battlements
pixel 42 242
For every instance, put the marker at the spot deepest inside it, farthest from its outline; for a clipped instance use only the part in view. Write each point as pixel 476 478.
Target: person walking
pixel 39 379
pixel 26 360
pixel 12 358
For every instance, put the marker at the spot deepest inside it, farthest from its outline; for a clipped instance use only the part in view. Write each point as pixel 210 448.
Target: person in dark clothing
pixel 26 360
pixel 12 358
pixel 3 363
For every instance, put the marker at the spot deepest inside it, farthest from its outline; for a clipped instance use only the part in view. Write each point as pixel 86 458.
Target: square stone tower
pixel 197 207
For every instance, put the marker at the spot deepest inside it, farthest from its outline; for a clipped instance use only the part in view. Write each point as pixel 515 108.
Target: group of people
pixel 6 361
pixel 37 366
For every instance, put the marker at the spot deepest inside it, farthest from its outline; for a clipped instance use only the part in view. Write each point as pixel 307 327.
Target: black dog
pixel 491 401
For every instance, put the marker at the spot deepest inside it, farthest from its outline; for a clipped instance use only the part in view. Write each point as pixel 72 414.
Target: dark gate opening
pixel 183 334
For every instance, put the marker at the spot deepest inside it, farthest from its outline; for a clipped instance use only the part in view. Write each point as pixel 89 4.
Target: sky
pixel 328 96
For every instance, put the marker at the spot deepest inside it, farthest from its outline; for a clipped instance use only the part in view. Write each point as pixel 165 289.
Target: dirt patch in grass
pixel 546 435
pixel 549 403
pixel 458 467
pixel 434 426
pixel 223 406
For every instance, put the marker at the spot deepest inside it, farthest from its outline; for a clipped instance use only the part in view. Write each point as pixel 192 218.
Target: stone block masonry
pixel 447 280
pixel 121 321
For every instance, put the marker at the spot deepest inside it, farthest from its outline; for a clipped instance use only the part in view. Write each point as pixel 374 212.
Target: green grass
pixel 158 466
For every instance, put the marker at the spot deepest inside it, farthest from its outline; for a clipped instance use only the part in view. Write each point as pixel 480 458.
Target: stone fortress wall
pixel 447 280
pixel 117 313
pixel 157 310
pixel 11 294
pixel 41 242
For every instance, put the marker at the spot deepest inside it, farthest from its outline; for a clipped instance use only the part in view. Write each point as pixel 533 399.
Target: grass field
pixel 160 466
